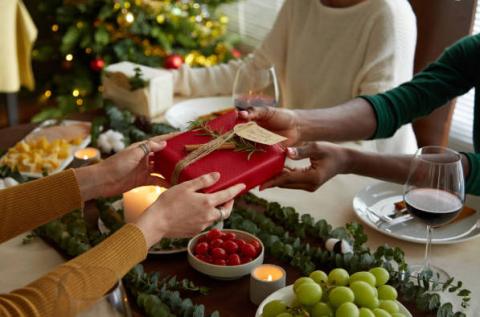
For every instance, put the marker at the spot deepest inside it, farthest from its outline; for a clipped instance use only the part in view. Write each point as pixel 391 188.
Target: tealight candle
pixel 137 200
pixel 264 280
pixel 89 154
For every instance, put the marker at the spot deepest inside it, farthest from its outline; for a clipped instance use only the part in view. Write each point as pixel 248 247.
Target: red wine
pixel 433 206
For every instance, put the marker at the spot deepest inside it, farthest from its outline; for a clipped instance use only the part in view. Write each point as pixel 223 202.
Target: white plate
pixel 381 198
pixel 73 148
pixel 118 205
pixel 286 294
pixel 180 114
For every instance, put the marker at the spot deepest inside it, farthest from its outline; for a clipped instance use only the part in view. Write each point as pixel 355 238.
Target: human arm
pixel 378 116
pixel 32 204
pixel 92 274
pixel 328 160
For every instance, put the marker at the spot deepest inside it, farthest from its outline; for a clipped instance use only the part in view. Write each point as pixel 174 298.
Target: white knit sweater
pixel 324 56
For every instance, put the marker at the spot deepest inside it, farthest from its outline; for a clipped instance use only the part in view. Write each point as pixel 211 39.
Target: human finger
pixel 227 209
pixel 203 181
pixel 164 137
pixel 225 195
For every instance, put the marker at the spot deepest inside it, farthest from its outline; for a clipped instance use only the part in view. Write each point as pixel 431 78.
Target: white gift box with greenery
pixel 152 100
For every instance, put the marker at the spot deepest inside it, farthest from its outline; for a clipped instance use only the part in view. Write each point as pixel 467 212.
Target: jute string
pixel 203 151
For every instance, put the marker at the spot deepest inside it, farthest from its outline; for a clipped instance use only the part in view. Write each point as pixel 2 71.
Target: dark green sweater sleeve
pixel 473 180
pixel 452 75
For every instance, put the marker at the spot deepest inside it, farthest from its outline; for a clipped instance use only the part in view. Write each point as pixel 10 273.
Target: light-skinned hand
pixel 183 211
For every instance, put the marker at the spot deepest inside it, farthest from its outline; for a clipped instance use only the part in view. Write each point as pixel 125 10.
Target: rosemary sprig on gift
pixel 240 144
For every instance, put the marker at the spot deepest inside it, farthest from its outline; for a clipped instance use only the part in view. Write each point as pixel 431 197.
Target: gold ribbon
pixel 201 152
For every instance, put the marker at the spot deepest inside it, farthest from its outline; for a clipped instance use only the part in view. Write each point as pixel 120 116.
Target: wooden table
pixel 333 202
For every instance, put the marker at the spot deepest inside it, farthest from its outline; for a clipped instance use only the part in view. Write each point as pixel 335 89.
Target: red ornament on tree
pixel 236 53
pixel 97 64
pixel 173 61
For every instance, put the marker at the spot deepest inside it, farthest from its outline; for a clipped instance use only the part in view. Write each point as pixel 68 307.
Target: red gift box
pixel 234 166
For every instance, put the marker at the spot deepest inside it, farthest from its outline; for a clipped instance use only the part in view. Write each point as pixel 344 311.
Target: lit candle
pixel 264 280
pixel 137 200
pixel 89 154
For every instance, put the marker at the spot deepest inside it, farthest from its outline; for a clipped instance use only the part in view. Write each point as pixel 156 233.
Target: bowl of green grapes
pixel 336 294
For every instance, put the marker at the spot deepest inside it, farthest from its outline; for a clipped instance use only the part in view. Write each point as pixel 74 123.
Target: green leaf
pixel 102 36
pixel 70 39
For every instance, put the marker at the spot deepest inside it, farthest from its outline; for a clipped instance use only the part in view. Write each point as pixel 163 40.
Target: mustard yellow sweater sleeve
pixel 29 205
pixel 84 278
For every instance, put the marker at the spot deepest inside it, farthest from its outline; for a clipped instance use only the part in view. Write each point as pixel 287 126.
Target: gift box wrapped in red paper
pixel 235 162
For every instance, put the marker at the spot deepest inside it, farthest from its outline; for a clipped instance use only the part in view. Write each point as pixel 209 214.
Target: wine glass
pixel 434 193
pixel 255 85
pixel 82 293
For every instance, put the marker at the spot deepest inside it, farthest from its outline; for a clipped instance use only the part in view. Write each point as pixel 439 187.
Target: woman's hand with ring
pixel 183 211
pixel 123 171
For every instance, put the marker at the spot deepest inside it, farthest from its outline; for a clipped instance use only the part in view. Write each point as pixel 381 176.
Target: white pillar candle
pixel 264 280
pixel 137 200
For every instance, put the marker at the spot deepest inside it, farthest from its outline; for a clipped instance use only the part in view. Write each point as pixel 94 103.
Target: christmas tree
pixel 78 38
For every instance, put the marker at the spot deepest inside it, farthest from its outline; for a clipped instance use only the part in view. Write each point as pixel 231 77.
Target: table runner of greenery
pixel 297 240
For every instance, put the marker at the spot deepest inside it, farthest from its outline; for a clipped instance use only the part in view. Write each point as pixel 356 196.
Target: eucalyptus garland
pixel 299 240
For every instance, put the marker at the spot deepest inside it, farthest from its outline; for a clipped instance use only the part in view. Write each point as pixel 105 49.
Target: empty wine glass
pixel 255 85
pixel 81 293
pixel 434 193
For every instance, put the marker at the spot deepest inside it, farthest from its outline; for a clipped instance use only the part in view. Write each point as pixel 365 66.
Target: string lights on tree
pixel 83 36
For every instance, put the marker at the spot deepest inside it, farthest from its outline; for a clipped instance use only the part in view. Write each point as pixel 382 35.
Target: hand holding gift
pixel 242 152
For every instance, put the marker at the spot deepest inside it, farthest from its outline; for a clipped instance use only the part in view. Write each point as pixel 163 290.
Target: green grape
pixel 364 294
pixel 300 281
pixel 274 308
pixel 319 277
pixel 387 292
pixel 284 315
pixel 375 303
pixel 321 310
pixel 340 295
pixel 365 312
pixel 398 315
pixel 381 313
pixel 365 277
pixel 338 277
pixel 309 293
pixel 347 310
pixel 389 305
pixel 382 276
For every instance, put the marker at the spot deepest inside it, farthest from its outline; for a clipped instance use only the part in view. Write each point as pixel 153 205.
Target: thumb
pixel 157 146
pixel 256 113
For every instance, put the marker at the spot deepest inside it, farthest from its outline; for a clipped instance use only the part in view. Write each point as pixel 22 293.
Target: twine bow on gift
pixel 206 149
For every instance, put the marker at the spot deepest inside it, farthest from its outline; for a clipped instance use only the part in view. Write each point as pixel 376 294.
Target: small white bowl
pixel 221 272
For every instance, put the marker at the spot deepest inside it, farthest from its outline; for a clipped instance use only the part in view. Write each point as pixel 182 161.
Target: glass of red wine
pixel 434 193
pixel 255 85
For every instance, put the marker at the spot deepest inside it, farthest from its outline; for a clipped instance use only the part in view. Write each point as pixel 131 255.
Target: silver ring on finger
pixel 145 147
pixel 220 211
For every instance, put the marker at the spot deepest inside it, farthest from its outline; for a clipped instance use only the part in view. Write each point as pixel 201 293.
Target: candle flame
pixel 85 157
pixel 269 277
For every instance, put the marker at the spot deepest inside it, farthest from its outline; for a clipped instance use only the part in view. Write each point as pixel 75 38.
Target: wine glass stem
pixel 428 248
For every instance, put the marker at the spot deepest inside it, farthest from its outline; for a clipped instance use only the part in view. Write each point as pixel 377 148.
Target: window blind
pixel 461 133
pixel 252 19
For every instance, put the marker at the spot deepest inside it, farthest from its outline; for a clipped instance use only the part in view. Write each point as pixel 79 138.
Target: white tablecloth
pixel 20 264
